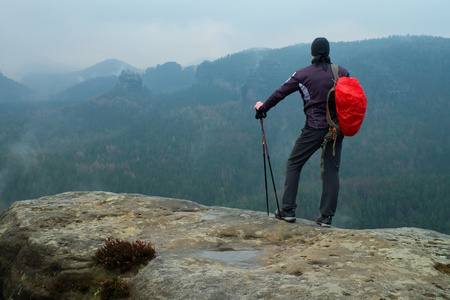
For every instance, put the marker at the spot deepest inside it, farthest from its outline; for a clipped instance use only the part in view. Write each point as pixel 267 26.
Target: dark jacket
pixel 313 83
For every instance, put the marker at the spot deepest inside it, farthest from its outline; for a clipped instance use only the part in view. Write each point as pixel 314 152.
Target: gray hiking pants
pixel 305 146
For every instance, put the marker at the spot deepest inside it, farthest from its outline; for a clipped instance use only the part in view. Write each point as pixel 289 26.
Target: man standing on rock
pixel 313 82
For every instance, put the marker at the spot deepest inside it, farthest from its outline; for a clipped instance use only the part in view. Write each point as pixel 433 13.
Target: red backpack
pixel 351 103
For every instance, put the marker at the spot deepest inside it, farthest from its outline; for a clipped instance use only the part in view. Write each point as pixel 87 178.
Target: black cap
pixel 320 46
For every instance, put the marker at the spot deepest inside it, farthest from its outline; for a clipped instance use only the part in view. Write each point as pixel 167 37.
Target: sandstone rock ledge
pixel 211 252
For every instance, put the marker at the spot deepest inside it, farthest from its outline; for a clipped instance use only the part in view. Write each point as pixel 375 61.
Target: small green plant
pixel 124 256
pixel 113 289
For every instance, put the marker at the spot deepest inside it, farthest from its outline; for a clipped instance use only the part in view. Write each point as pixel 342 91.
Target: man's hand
pixel 259 115
pixel 258 105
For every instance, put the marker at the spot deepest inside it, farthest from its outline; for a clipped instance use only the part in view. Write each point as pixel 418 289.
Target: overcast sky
pixel 75 34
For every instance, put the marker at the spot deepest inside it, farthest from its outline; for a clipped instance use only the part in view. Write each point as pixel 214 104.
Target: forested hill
pixel 199 140
pixel 11 91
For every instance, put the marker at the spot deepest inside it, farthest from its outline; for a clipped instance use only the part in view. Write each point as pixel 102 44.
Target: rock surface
pixel 47 247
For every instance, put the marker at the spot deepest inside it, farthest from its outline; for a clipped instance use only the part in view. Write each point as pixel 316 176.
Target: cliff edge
pixel 47 247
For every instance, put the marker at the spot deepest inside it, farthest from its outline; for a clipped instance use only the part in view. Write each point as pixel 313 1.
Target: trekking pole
pixel 266 151
pixel 265 168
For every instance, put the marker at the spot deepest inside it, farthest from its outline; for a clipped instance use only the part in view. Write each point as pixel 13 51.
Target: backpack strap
pixel 334 129
pixel 335 70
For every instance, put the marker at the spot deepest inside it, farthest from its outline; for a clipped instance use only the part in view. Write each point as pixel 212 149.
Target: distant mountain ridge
pixel 106 68
pixel 87 89
pixel 94 81
pixel 49 84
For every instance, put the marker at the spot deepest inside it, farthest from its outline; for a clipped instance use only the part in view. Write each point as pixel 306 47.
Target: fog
pixel 50 36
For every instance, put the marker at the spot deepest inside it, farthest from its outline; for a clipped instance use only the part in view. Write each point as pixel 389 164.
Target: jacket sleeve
pixel 287 88
pixel 343 72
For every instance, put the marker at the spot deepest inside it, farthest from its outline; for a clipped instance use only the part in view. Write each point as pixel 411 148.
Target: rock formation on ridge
pixel 47 247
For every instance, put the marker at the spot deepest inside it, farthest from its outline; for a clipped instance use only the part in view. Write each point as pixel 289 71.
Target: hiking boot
pixel 324 221
pixel 288 216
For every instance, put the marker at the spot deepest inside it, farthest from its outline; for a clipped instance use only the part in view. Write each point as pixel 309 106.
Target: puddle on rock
pixel 240 257
pixel 209 216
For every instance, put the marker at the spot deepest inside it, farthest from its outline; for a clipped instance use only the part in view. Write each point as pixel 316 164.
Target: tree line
pixel 201 141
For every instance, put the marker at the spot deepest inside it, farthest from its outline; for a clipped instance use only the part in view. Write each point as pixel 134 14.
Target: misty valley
pixel 190 132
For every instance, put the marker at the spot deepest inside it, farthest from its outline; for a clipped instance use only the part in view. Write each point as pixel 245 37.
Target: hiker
pixel 313 82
